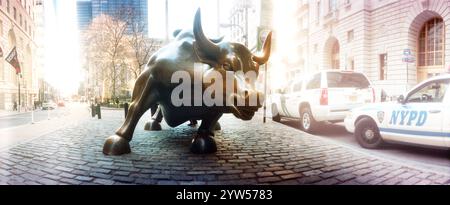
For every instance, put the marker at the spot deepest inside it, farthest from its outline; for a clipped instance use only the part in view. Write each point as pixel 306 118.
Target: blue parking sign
pixel 407 52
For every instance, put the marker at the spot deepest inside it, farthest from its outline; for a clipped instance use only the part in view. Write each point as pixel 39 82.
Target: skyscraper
pixel 84 13
pixel 89 9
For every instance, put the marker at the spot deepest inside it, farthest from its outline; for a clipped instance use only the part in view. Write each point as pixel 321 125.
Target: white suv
pixel 324 96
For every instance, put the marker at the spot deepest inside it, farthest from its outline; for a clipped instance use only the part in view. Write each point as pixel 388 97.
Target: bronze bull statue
pixel 155 86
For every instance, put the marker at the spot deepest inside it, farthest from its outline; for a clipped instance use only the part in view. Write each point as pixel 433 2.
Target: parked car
pixel 324 96
pixel 49 105
pixel 420 117
pixel 61 103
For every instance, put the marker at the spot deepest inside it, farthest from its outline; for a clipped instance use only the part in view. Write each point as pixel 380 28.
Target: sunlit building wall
pixel 371 36
pixel 17 29
pixel 40 47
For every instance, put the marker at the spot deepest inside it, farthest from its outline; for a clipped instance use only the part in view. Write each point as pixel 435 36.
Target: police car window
pixel 297 87
pixel 431 93
pixel 347 80
pixel 314 83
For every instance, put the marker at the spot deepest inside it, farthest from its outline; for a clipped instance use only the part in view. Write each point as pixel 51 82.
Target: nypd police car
pixel 327 95
pixel 420 117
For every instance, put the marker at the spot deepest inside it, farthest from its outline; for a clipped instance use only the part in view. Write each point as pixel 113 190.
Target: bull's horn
pixel 217 40
pixel 266 51
pixel 207 47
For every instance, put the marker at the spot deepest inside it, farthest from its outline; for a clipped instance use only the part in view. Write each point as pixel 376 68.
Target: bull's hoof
pixel 152 126
pixel 203 144
pixel 217 127
pixel 116 145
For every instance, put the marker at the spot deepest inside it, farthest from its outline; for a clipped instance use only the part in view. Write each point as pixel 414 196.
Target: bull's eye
pixel 227 66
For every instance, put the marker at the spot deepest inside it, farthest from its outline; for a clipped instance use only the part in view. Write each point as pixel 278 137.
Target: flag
pixel 13 60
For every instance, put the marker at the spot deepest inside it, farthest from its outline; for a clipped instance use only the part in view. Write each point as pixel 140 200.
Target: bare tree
pixel 107 48
pixel 142 47
pixel 117 50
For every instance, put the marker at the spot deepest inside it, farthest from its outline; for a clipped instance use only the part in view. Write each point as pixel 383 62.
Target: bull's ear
pixel 202 57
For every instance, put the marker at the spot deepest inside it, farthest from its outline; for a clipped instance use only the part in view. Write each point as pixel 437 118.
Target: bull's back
pixel 176 56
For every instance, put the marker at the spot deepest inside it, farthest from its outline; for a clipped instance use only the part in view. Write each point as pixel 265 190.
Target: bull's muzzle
pixel 246 105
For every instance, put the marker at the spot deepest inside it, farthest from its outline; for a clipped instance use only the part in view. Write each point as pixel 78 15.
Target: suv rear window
pixel 345 80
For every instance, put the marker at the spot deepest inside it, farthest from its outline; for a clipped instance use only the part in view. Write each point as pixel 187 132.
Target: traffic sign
pixel 409 59
pixel 407 52
pixel 407 56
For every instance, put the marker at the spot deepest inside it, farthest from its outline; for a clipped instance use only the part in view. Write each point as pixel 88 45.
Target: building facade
pixel 84 14
pixel 87 10
pixel 247 20
pixel 396 43
pixel 17 29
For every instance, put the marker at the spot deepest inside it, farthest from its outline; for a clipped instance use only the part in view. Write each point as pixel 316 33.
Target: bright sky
pixel 181 15
pixel 62 63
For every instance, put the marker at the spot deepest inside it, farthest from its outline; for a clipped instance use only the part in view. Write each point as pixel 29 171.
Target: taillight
pixel 324 96
pixel 373 95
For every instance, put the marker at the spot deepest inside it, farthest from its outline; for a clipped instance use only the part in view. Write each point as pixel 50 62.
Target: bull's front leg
pixel 203 142
pixel 155 123
pixel 144 97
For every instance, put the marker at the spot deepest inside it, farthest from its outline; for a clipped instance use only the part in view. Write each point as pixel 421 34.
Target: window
pixel 7 5
pixel 297 87
pixel 332 5
pixel 20 20
pixel 351 63
pixel 347 80
pixel 315 82
pixel 431 43
pixel 15 13
pixel 1 28
pixel 383 66
pixel 335 56
pixel 433 92
pixel 350 36
pixel 318 12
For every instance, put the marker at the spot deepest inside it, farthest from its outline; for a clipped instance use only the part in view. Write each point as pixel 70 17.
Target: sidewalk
pixel 4 113
pixel 20 134
pixel 248 153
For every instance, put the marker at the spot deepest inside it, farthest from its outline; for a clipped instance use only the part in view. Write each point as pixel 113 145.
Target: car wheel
pixel 307 121
pixel 367 134
pixel 275 114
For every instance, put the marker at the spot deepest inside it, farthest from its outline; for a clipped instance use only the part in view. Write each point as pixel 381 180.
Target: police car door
pixel 446 118
pixel 419 119
pixel 284 100
pixel 294 100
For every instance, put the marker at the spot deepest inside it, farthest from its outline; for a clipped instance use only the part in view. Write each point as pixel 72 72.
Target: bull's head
pixel 228 57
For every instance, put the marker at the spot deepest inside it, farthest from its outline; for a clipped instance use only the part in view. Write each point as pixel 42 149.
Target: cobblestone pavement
pixel 248 153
